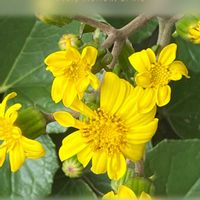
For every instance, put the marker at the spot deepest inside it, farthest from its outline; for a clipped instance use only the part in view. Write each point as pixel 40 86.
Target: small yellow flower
pixel 155 74
pixel 125 193
pixel 72 73
pixel 112 133
pixel 12 140
pixel 194 33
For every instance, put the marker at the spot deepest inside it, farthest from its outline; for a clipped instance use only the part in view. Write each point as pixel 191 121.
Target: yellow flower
pixel 12 140
pixel 155 74
pixel 112 133
pixel 125 193
pixel 194 33
pixel 72 73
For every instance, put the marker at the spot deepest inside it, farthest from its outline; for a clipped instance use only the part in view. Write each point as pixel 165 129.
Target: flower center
pixel 105 132
pixel 194 32
pixel 76 71
pixel 159 75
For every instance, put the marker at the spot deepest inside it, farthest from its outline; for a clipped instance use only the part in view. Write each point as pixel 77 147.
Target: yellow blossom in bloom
pixel 125 193
pixel 112 133
pixel 155 74
pixel 194 33
pixel 12 141
pixel 72 72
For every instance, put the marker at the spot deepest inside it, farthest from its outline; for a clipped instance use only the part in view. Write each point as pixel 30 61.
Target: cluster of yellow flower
pixel 125 120
pixel 117 130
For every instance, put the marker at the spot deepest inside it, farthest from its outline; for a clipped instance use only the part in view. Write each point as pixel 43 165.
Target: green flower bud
pixel 140 184
pixel 189 28
pixel 54 19
pixel 31 122
pixel 74 41
pixel 72 167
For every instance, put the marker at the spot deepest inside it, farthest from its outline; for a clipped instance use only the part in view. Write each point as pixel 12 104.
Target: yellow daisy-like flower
pixel 155 74
pixel 125 193
pixel 12 141
pixel 112 133
pixel 194 33
pixel 72 72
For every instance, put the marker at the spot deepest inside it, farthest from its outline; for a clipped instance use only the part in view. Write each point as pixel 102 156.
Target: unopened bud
pixel 189 28
pixel 73 39
pixel 72 167
pixel 54 19
pixel 140 184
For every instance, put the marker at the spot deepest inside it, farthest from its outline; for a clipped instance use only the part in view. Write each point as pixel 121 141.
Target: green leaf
pixel 175 165
pixel 22 67
pixel 76 189
pixel 34 179
pixel 144 32
pixel 55 128
pixel 72 188
pixel 189 54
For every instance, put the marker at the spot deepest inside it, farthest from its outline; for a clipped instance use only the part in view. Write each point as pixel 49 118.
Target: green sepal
pixel 31 122
pixel 140 184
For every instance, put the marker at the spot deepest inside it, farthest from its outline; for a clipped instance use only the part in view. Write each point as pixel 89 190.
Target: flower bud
pixel 73 39
pixel 31 122
pixel 189 28
pixel 140 184
pixel 72 167
pixel 54 19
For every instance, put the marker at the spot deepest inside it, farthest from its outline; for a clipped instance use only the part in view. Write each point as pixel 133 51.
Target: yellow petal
pixel 70 93
pixel 85 156
pixel 11 113
pixel 147 101
pixel 108 196
pixel 89 55
pixel 140 119
pixel 72 54
pixel 16 156
pixel 177 70
pixel 81 86
pixel 129 107
pixel 143 79
pixel 32 148
pixel 168 54
pixel 126 193
pixel 114 91
pixel 151 55
pixel 3 150
pixel 79 106
pixel 71 145
pixel 4 102
pixel 65 119
pixel 58 88
pixel 57 60
pixel 142 134
pixel 99 162
pixel 133 152
pixel 94 81
pixel 140 61
pixel 116 166
pixel 145 196
pixel 163 95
